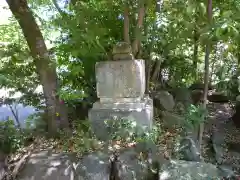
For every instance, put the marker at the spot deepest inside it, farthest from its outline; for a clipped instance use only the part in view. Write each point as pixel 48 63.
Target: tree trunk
pixel 138 30
pixel 195 53
pixel 206 74
pixel 15 114
pixel 156 66
pixel 156 70
pixel 46 68
pixel 126 24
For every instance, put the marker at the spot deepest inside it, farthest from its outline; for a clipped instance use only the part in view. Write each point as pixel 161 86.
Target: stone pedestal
pixel 120 87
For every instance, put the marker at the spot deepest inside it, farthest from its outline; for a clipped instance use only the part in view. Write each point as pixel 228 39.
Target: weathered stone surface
pixel 182 95
pixel 238 98
pixel 97 166
pixel 120 105
pixel 119 57
pixel 94 167
pixel 165 99
pixel 225 139
pixel 186 170
pixel 122 48
pixel 218 97
pixel 120 79
pixel 171 120
pixel 188 150
pixel 3 169
pixel 218 145
pixel 48 166
pixel 226 171
pixel 141 113
pixel 131 167
pixel 200 86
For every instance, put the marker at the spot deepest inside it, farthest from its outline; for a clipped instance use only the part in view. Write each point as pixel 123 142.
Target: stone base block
pixel 141 113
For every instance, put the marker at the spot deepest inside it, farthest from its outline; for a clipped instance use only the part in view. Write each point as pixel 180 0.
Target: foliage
pixel 194 116
pixel 128 131
pixel 80 33
pixel 11 137
pixel 94 26
pixel 122 132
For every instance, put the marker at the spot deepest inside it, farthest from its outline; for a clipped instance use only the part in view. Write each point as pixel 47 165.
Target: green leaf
pixel 227 14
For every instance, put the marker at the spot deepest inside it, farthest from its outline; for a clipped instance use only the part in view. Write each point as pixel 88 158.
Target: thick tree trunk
pixel 46 68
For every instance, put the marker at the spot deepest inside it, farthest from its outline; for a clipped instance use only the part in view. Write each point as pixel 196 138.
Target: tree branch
pixel 58 8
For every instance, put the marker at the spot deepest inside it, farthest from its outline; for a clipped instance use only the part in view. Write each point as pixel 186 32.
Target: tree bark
pixel 15 113
pixel 206 74
pixel 46 68
pixel 126 24
pixel 136 42
pixel 195 53
pixel 156 66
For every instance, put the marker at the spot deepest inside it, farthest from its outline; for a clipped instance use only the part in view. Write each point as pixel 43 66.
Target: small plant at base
pixel 194 116
pixel 82 139
pixel 128 131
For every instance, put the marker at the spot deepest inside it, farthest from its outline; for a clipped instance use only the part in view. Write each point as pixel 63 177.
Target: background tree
pixel 46 68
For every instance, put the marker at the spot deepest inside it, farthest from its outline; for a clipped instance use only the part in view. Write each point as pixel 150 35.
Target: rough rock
pixel 238 98
pixel 182 95
pixel 165 100
pixel 218 97
pixel 197 96
pixel 226 171
pixel 131 168
pixel 186 170
pixel 171 120
pixel 93 167
pixel 199 86
pixel 122 48
pixel 236 115
pixel 97 166
pixel 225 140
pixel 2 170
pixel 188 150
pixel 47 165
pixel 122 51
pixel 218 145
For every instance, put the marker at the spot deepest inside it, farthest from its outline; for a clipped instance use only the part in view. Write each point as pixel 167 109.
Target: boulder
pixel 48 165
pixel 94 166
pixel 238 98
pixel 197 96
pixel 165 100
pixel 182 95
pixel 226 172
pixel 130 167
pixel 218 97
pixel 186 170
pixel 171 120
pixel 236 116
pixel 3 167
pixel 123 166
pixel 199 86
pixel 188 150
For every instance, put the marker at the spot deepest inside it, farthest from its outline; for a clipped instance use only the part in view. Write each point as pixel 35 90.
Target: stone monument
pixel 120 88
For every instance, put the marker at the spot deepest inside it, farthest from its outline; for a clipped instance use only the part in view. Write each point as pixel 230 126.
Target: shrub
pixel 11 137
